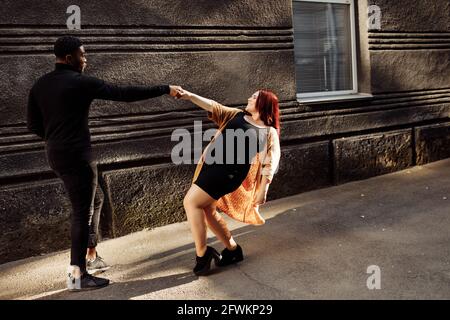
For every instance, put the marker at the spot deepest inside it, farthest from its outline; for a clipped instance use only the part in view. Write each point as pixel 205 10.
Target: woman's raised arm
pixel 202 102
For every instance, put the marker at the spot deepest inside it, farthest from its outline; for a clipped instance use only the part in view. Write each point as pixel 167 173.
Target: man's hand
pixel 175 91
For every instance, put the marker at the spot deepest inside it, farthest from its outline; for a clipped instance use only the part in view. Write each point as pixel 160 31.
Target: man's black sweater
pixel 58 105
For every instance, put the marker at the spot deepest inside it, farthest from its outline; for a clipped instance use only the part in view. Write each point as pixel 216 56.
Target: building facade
pixel 364 87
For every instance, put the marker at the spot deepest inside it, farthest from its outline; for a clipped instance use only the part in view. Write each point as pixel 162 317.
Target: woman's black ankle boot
pixel 230 257
pixel 204 263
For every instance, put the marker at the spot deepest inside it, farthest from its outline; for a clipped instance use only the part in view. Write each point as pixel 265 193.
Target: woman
pixel 236 187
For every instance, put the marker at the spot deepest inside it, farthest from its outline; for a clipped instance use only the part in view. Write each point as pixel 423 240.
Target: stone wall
pixel 224 50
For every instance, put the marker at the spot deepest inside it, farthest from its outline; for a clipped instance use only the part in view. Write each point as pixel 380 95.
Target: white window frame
pixel 302 96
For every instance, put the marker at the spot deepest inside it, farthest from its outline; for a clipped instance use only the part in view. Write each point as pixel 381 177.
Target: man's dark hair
pixel 66 45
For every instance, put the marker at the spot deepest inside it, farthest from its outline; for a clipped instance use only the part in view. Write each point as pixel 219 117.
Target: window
pixel 325 51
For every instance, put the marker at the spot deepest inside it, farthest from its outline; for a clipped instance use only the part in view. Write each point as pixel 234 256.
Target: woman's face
pixel 251 105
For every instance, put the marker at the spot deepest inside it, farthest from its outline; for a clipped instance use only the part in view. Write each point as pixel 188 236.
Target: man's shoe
pixel 88 282
pixel 96 265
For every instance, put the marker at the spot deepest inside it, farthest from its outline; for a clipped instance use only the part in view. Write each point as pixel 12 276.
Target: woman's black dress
pixel 228 159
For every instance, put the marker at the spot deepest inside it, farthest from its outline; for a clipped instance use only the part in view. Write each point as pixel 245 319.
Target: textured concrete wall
pixel 432 142
pixel 302 168
pixel 34 218
pixel 370 155
pixel 224 50
pixel 153 197
pixel 139 13
pixel 411 52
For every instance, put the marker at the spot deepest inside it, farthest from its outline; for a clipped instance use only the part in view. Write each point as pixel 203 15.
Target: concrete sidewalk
pixel 315 245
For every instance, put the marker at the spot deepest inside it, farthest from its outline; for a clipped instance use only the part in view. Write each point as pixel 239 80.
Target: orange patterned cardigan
pixel 239 204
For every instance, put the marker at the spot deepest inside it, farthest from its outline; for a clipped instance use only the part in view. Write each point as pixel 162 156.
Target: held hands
pixel 179 93
pixel 175 90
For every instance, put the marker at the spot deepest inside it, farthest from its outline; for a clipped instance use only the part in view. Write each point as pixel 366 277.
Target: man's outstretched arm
pixel 99 89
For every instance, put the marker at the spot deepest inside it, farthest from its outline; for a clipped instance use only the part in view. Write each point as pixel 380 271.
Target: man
pixel 58 109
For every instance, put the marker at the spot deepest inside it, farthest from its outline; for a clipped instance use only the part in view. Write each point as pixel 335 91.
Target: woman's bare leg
pixel 218 225
pixel 195 200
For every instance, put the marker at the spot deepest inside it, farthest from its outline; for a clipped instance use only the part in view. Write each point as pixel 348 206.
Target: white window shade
pixel 323 48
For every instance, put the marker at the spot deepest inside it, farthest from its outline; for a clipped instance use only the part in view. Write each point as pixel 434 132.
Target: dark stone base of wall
pixel 34 219
pixel 147 197
pixel 302 168
pixel 366 156
pixel 152 196
pixel 432 143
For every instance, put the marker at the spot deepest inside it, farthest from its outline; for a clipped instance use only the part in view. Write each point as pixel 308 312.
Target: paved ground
pixel 315 245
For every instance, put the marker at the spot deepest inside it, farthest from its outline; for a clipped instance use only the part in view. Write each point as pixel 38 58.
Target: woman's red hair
pixel 268 108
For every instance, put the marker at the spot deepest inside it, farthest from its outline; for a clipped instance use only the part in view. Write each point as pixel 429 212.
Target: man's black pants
pixel 80 177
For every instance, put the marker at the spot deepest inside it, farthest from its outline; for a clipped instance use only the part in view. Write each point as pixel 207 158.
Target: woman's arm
pixel 270 166
pixel 217 113
pixel 202 102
